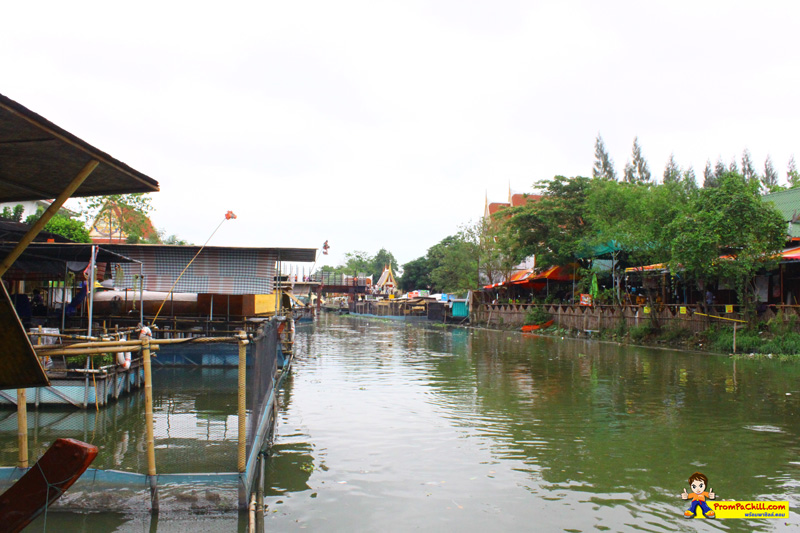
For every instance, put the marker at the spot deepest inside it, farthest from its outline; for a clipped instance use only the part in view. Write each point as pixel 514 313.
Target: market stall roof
pixel 513 278
pixel 657 267
pixel 38 159
pixel 556 273
pixel 791 254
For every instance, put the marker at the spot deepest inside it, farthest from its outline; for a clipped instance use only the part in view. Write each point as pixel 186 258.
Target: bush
pixel 638 333
pixel 537 315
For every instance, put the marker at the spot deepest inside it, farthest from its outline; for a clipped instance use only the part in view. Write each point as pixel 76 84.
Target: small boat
pixel 60 466
pixel 534 327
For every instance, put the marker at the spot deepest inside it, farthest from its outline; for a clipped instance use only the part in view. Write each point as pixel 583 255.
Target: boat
pixel 535 327
pixel 60 466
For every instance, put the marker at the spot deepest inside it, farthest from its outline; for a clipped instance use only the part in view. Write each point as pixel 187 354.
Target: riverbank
pixel 767 339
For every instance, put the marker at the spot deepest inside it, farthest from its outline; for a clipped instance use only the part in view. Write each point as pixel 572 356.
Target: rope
pixel 228 216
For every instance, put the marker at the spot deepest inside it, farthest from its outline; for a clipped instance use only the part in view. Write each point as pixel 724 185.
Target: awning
pixel 791 254
pixel 658 267
pixel 515 277
pixel 556 273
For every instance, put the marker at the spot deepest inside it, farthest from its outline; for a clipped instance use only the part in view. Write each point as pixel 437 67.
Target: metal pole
pixel 90 288
pixel 141 293
pixel 148 416
pixel 64 298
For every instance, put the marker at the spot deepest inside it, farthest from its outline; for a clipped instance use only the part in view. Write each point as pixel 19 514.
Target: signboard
pixel 586 299
pixel 729 309
pixel 683 310
pixel 646 310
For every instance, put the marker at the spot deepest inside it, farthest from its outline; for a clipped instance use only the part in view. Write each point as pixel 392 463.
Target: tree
pixel 733 167
pixel 629 174
pixel 453 264
pixel 63 225
pixel 641 171
pixel 792 176
pixel 770 178
pixel 689 179
pixel 382 258
pixel 357 262
pixel 672 172
pixel 416 275
pixel 125 215
pixel 720 168
pixel 13 215
pixel 748 169
pixel 554 228
pixel 709 178
pixel 710 242
pixel 603 165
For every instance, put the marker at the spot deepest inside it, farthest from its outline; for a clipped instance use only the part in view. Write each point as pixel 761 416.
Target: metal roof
pixel 788 203
pixel 38 159
pixel 296 255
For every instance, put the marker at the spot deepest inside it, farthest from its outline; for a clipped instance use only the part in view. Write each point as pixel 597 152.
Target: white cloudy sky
pixel 384 124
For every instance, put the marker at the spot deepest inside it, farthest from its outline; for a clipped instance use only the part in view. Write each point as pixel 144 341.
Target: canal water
pixel 396 426
pixel 388 425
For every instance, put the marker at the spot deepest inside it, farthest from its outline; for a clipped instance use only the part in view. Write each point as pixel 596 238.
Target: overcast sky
pixel 384 124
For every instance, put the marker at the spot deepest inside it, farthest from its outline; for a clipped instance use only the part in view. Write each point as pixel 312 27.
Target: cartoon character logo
pixel 698 483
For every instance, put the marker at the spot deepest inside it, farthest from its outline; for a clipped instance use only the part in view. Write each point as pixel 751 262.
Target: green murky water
pixel 394 426
pixel 389 426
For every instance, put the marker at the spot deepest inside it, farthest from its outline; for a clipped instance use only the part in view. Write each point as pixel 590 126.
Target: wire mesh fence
pixel 210 419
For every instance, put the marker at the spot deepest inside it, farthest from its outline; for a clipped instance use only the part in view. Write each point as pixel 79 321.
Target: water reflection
pixel 486 423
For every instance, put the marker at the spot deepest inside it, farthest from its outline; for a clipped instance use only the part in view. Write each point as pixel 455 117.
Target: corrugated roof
pixel 788 203
pixel 38 159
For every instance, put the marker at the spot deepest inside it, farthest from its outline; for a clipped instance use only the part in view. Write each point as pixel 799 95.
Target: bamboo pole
pixel 148 415
pixel 22 427
pixel 242 413
pixel 97 351
pixel 46 216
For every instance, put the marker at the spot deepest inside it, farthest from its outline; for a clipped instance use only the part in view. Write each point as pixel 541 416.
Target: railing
pixel 148 445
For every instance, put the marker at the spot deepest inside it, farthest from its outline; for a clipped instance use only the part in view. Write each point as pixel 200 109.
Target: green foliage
pixel 554 228
pixel 727 220
pixel 382 258
pixel 63 225
pixel 13 215
pixel 125 214
pixel 416 275
pixel 453 264
pixel 792 176
pixel 640 332
pixel 603 165
pixel 672 172
pixel 537 315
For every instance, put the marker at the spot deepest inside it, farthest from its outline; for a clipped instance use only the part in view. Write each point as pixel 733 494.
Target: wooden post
pixel 148 415
pixel 46 216
pixel 22 427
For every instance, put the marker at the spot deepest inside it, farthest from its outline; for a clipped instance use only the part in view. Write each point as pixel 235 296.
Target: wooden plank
pixel 19 366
